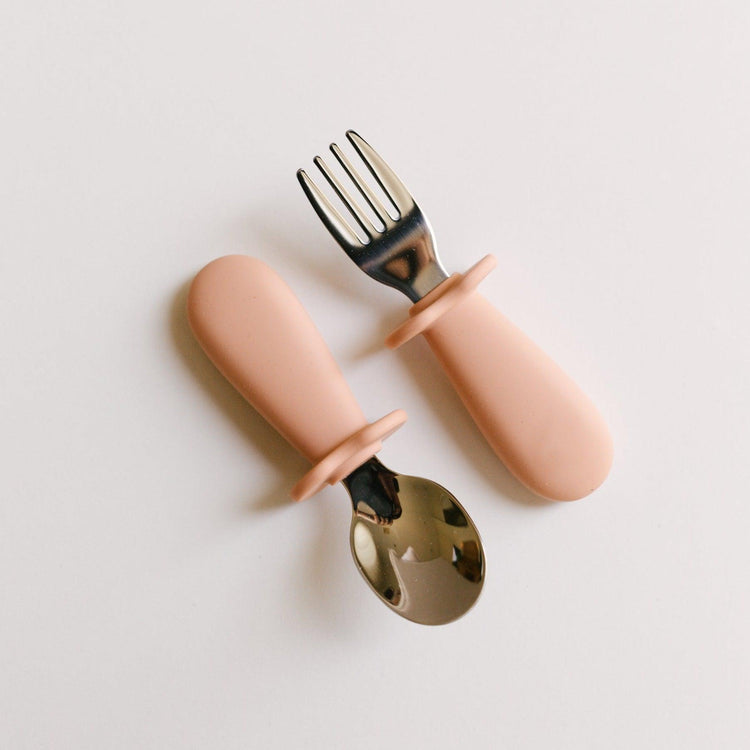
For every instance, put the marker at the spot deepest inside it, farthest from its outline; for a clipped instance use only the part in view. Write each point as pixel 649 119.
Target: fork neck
pixel 415 271
pixel 429 277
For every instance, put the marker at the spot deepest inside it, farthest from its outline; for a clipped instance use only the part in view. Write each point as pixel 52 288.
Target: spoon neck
pixel 373 489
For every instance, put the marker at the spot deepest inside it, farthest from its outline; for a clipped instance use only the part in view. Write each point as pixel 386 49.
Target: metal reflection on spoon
pixel 414 544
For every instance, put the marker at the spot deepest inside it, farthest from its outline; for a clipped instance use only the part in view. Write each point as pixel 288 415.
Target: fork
pixel 540 424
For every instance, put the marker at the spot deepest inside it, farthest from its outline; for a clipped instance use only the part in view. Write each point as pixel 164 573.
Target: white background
pixel 158 590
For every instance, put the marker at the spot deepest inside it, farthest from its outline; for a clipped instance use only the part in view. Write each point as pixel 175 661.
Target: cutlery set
pixel 411 540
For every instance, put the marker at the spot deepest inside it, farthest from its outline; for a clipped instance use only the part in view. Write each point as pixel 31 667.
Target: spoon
pixel 411 539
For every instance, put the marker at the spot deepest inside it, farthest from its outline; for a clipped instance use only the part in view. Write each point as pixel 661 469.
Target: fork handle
pixel 541 425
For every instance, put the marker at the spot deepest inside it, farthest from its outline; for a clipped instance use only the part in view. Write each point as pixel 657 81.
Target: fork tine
pixel 362 186
pixel 332 219
pixel 346 199
pixel 386 177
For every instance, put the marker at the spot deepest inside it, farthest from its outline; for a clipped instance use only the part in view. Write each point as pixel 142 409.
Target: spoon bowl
pixel 414 544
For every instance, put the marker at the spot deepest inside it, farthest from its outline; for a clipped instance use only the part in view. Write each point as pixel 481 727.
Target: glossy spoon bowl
pixel 421 554
pixel 412 541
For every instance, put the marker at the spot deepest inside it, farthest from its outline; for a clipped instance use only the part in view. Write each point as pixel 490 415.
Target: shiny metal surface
pixel 414 544
pixel 397 249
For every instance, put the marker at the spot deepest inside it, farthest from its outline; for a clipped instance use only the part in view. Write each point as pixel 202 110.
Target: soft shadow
pixel 259 434
pixel 433 382
pixel 328 583
pixel 308 246
pixel 325 261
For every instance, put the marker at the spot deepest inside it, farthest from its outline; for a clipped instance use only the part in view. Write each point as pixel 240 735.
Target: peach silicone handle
pixel 259 336
pixel 545 430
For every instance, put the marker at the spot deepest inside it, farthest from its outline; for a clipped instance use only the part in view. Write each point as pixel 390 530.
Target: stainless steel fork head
pixel 401 251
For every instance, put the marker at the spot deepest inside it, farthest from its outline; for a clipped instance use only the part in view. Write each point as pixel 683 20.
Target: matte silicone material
pixel 259 336
pixel 542 426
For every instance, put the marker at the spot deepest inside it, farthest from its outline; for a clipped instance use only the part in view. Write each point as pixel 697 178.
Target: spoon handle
pixel 540 424
pixel 259 336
